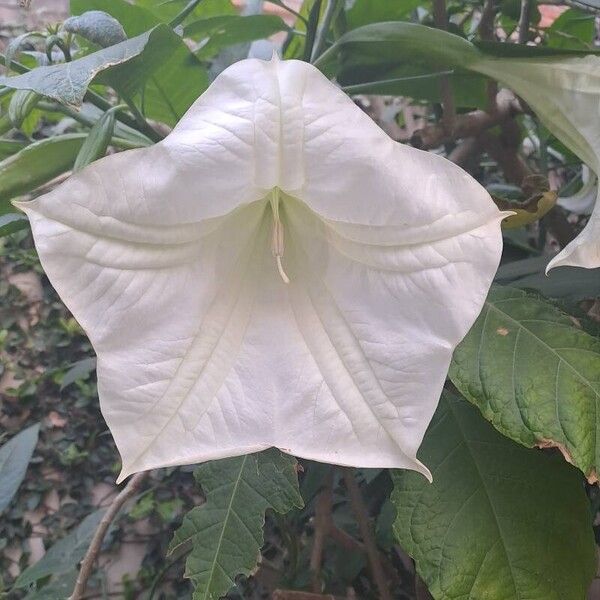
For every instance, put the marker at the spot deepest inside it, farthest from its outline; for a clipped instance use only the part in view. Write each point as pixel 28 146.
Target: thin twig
pixel 524 21
pixel 87 564
pixel 440 18
pixel 487 33
pixel 322 528
pixel 362 518
pixel 321 37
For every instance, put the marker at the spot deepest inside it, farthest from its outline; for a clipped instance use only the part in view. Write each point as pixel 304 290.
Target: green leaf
pixel 161 71
pixel 233 29
pixel 499 521
pixel 572 284
pixel 401 58
pixel 573 29
pixel 135 20
pixel 9 147
pixel 14 458
pixel 21 104
pixel 125 66
pixel 365 12
pixel 226 532
pixel 534 374
pixel 37 164
pixel 96 26
pixel 65 555
pixel 11 222
pixel 59 588
pixel 167 10
pixel 79 371
pixel 97 141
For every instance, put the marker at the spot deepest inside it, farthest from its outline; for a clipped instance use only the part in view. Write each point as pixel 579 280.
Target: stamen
pixel 277 244
pixel 285 278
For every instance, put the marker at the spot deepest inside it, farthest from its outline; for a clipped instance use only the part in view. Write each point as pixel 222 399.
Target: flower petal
pixel 164 256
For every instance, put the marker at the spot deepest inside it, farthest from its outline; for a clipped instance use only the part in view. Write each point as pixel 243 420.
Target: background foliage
pixel 507 516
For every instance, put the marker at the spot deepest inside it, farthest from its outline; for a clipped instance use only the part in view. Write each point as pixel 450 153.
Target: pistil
pixel 277 243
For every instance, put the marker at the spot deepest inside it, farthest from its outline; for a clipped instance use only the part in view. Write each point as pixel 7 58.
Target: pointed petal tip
pixel 22 205
pixel 123 475
pixel 421 468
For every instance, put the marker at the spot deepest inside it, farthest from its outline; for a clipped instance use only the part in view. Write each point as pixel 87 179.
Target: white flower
pixel 176 259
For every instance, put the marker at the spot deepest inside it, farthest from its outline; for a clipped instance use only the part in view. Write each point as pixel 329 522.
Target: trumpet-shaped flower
pixel 276 272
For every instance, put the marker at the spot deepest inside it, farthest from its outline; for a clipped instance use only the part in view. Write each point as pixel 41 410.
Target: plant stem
pixel 322 32
pixel 311 30
pixel 524 21
pixel 87 564
pixel 322 528
pixel 362 518
pixel 180 17
pixel 117 141
pixel 440 18
pixel 288 9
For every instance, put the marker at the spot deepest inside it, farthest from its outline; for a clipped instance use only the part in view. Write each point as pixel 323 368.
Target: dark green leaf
pixel 58 588
pixel 65 555
pixel 14 458
pixel 224 31
pixel 96 26
pixel 226 533
pixel 365 12
pixel 570 284
pixel 534 374
pixel 499 521
pixel 37 164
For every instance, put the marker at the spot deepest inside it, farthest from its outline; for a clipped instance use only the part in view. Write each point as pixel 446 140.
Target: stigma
pixel 277 239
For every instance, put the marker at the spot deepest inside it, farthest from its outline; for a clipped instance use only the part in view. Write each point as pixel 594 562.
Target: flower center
pixel 277 237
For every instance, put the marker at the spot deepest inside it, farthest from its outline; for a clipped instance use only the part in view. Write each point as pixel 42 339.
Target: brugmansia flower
pixel 276 272
pixel 564 92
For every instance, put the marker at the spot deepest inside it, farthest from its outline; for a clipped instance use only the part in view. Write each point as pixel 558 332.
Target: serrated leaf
pixel 37 164
pixel 499 521
pixel 534 374
pixel 65 555
pixel 96 26
pixel 226 532
pixel 14 458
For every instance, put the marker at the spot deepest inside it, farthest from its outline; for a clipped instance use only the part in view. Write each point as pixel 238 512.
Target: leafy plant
pixel 503 89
